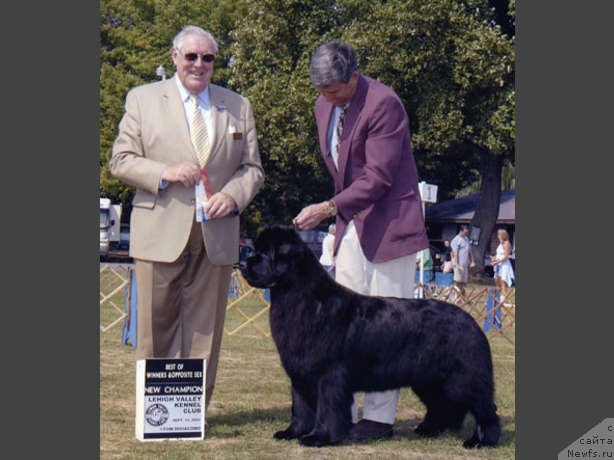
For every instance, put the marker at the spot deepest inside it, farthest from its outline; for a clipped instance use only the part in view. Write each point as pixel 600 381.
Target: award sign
pixel 200 200
pixel 170 399
pixel 202 193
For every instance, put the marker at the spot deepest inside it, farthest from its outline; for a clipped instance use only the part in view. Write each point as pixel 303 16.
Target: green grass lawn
pixel 252 401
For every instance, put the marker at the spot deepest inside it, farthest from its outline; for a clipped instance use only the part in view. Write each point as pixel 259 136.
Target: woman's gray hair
pixel 193 30
pixel 332 61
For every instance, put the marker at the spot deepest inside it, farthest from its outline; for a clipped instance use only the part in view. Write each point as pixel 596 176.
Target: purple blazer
pixel 377 181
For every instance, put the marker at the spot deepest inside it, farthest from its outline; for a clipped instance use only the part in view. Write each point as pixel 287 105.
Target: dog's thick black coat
pixel 334 342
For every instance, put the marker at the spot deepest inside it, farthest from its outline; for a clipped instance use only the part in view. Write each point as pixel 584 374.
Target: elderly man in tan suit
pixel 183 266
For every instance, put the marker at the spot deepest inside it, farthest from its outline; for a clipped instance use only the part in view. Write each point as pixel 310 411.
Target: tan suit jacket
pixel 153 134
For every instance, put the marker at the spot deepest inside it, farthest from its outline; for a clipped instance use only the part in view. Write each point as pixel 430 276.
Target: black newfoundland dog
pixel 334 342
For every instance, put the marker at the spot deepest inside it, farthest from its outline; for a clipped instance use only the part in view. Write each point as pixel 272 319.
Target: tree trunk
pixel 487 209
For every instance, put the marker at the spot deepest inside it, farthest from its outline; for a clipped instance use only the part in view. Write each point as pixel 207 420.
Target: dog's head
pixel 279 257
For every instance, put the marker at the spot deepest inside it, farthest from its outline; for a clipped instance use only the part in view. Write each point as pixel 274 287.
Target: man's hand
pixel 310 216
pixel 220 205
pixel 186 173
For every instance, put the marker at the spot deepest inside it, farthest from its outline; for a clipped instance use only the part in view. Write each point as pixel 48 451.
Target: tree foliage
pixel 271 51
pixel 454 71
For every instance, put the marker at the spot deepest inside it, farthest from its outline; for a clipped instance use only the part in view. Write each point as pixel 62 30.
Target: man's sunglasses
pixel 192 57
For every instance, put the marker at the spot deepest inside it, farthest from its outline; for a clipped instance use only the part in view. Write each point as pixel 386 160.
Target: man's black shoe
pixel 367 430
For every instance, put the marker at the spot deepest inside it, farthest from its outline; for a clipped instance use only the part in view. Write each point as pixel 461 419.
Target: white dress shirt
pixel 204 103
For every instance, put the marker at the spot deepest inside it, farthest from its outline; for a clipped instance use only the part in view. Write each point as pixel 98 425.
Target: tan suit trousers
pixel 181 307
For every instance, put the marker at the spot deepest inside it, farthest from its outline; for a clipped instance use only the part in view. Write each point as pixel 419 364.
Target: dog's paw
pixel 475 440
pixel 312 440
pixel 476 443
pixel 285 434
pixel 430 431
pixel 471 443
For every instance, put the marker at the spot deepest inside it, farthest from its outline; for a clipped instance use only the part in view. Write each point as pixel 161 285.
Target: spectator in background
pixel 462 258
pixel 503 270
pixel 328 244
pixel 446 258
pixel 427 265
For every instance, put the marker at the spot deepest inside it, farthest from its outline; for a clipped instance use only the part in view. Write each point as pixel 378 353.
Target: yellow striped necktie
pixel 198 133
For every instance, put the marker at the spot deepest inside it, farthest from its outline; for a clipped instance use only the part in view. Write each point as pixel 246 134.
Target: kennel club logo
pixel 156 414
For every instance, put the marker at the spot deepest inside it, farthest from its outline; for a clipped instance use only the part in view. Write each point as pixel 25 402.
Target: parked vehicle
pixel 110 216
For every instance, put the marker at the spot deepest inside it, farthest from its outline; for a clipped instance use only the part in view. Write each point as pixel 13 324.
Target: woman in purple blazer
pixel 364 139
